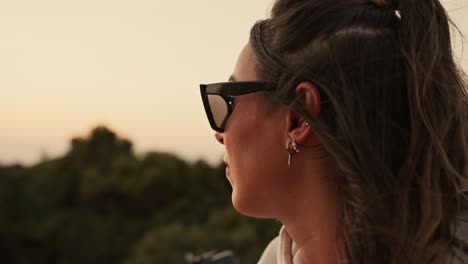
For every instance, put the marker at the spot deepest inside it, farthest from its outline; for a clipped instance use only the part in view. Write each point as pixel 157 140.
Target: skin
pixel 302 196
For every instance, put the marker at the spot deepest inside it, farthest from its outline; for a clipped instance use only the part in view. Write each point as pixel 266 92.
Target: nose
pixel 219 137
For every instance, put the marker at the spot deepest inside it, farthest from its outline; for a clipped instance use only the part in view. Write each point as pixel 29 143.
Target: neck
pixel 313 218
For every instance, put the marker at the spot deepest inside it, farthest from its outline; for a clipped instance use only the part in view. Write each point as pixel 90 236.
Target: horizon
pixel 69 67
pixel 44 157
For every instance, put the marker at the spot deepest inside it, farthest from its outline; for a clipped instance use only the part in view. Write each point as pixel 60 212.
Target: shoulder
pixel 269 255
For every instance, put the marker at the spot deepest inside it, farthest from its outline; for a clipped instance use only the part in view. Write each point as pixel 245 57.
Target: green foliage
pixel 101 204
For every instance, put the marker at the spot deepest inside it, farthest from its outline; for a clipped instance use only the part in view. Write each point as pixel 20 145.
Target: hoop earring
pixel 292 148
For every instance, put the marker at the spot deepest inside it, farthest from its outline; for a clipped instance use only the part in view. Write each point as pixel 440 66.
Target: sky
pixel 131 65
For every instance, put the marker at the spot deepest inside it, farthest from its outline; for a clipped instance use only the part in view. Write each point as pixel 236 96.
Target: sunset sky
pixel 132 65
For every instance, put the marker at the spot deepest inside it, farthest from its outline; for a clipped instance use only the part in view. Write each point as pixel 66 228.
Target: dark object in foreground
pixel 224 257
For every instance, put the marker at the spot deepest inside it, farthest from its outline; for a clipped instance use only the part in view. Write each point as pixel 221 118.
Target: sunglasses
pixel 219 99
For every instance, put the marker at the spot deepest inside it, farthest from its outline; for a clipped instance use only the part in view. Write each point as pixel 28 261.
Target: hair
pixel 394 117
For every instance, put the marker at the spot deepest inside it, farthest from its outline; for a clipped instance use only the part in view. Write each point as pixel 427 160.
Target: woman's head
pixel 255 136
pixel 387 105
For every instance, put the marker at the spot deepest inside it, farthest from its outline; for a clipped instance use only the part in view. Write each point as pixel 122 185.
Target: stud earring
pixel 303 120
pixel 292 149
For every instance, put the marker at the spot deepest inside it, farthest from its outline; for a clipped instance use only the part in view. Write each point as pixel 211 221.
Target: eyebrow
pixel 232 79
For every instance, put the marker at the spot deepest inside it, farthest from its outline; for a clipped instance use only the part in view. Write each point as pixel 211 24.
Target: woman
pixel 346 120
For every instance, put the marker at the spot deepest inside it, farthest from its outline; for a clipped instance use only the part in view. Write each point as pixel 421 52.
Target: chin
pixel 250 206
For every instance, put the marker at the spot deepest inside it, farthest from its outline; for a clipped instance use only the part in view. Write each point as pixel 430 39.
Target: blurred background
pixel 106 155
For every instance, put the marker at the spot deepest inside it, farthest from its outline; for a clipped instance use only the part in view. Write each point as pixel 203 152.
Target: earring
pixel 303 120
pixel 292 148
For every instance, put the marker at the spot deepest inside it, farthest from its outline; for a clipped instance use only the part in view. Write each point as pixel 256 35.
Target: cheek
pixel 259 182
pixel 248 144
pixel 258 167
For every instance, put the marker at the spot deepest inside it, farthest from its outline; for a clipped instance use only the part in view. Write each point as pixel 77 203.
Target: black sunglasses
pixel 218 99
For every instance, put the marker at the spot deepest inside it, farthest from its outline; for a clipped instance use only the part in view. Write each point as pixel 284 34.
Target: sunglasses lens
pixel 219 109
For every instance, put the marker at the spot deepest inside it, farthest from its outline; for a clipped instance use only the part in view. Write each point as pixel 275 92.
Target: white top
pixel 281 250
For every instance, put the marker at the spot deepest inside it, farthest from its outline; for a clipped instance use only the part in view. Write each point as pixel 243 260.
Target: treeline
pixel 100 203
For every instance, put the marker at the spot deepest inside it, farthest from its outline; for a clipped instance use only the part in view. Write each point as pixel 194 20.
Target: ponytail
pixel 434 176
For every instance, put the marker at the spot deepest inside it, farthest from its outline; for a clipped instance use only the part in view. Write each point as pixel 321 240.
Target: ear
pixel 297 128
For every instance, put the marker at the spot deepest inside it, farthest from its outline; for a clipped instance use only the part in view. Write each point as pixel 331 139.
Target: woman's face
pixel 255 141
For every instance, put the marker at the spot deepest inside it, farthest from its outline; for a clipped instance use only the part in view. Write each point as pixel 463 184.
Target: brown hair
pixel 394 117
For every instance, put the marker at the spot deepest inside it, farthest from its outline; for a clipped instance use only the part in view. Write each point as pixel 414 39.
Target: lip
pixel 228 175
pixel 227 167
